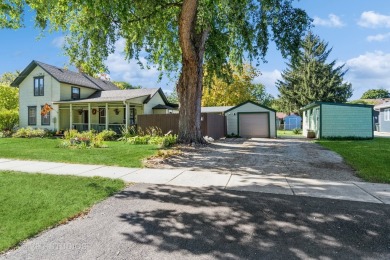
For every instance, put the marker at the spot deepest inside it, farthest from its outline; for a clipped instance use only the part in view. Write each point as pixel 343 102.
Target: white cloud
pixel 332 21
pixel 130 71
pixel 367 71
pixel 372 19
pixel 268 79
pixel 378 37
pixel 58 41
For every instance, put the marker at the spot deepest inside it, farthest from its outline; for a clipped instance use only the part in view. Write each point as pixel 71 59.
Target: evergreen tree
pixel 310 78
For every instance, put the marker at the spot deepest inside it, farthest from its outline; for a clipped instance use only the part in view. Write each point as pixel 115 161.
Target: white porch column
pixel 58 118
pixel 127 115
pixel 107 117
pixel 89 116
pixel 70 116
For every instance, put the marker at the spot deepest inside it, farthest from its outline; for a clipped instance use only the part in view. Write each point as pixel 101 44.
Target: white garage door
pixel 254 125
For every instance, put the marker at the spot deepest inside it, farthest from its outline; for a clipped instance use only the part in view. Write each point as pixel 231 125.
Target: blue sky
pixel 358 31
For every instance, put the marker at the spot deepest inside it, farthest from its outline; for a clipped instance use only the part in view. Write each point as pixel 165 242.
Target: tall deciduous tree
pixel 376 93
pixel 125 85
pixel 8 77
pixel 238 89
pixel 310 78
pixel 9 98
pixel 177 35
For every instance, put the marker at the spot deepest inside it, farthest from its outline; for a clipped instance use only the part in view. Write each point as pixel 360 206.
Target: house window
pixel 45 120
pixel 387 114
pixel 132 116
pixel 38 86
pixel 102 116
pixel 32 115
pixel 75 93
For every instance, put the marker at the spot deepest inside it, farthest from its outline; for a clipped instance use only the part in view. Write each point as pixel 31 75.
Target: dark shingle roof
pixel 66 76
pixel 118 95
pixel 161 106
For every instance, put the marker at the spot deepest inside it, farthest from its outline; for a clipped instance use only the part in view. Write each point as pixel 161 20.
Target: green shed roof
pixel 317 103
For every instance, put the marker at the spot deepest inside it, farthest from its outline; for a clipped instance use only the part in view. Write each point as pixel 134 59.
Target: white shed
pixel 250 119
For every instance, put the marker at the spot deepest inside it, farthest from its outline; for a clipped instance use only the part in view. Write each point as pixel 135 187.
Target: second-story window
pixel 75 93
pixel 38 86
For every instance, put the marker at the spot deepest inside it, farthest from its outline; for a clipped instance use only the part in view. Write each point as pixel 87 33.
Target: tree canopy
pixel 238 90
pixel 376 93
pixel 310 78
pixel 8 77
pixel 176 36
pixel 9 98
pixel 125 85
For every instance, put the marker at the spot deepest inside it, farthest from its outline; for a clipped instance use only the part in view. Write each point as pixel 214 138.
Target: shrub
pixel 127 132
pixel 107 135
pixel 88 139
pixel 8 119
pixel 297 131
pixel 162 141
pixel 31 133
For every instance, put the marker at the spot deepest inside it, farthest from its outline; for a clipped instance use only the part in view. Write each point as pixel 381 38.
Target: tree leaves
pixel 376 93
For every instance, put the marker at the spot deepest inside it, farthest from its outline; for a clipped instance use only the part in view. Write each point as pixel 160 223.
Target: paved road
pixel 167 222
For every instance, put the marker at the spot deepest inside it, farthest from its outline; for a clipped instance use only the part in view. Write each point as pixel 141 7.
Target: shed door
pixel 254 125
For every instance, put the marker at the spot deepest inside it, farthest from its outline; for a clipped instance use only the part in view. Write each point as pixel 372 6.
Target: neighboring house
pixel 384 116
pixel 250 119
pixel 80 101
pixel 280 120
pixel 338 120
pixel 292 122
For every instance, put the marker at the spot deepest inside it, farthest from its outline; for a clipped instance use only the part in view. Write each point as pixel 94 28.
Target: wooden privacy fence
pixel 212 125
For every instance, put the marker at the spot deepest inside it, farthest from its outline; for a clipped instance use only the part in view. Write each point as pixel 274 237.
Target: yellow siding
pixel 66 92
pixel 27 98
pixel 154 101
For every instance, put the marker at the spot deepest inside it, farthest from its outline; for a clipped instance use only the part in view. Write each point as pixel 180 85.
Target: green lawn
pixel 31 203
pixel 289 133
pixel 117 153
pixel 370 158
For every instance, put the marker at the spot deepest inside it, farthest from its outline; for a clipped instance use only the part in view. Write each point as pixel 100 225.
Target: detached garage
pixel 250 119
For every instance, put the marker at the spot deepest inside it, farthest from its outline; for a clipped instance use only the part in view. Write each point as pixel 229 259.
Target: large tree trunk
pixel 189 87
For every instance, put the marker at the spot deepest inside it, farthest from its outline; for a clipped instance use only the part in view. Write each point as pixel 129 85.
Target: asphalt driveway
pixel 298 158
pixel 166 222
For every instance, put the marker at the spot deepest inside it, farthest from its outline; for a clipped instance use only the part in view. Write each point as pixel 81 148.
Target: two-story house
pixel 80 101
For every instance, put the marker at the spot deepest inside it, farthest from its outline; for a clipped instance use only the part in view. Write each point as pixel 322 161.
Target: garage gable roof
pixel 251 102
pixel 317 103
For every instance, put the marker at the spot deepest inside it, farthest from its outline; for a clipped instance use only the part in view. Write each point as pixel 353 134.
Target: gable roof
pixel 251 102
pixel 117 95
pixel 217 109
pixel 318 103
pixel 384 105
pixel 161 106
pixel 66 76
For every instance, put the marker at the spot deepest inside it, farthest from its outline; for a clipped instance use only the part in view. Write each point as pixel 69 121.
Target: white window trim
pixel 386 114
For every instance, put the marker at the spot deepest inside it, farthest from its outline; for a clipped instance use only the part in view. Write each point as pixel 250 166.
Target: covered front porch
pixel 98 116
